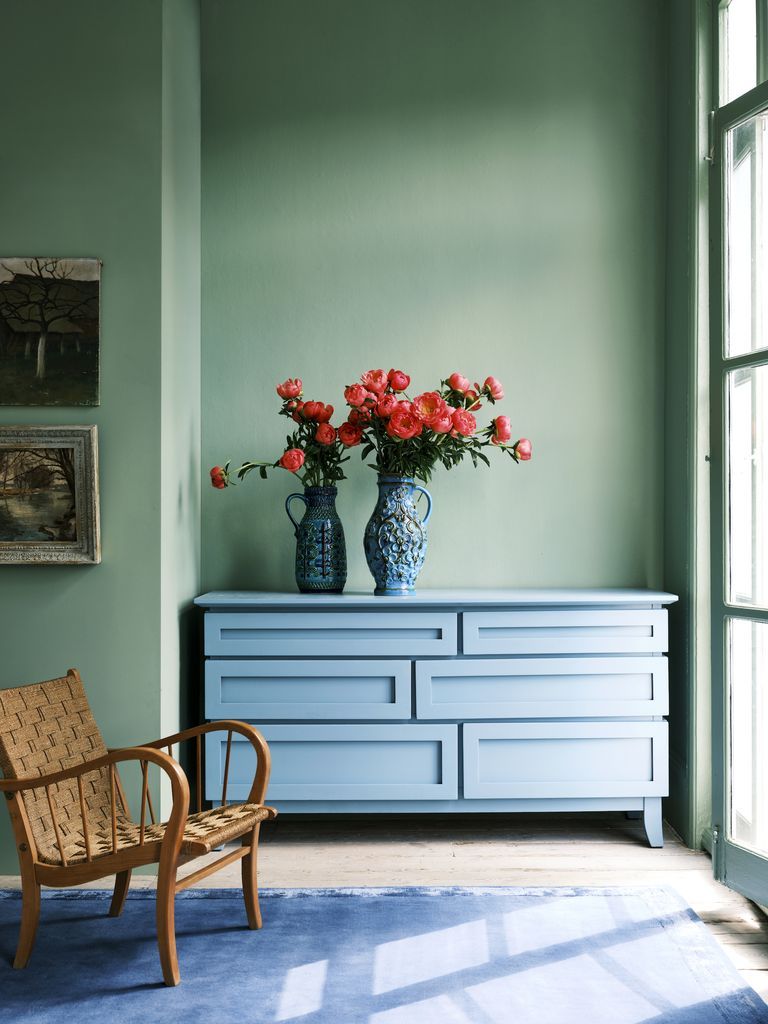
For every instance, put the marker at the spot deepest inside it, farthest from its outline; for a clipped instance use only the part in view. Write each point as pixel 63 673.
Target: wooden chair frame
pixel 166 852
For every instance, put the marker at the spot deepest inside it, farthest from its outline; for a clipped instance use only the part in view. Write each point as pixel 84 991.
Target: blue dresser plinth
pixel 451 700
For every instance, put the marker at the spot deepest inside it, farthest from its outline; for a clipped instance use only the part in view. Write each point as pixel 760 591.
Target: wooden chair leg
pixel 248 867
pixel 30 915
pixel 166 923
pixel 122 881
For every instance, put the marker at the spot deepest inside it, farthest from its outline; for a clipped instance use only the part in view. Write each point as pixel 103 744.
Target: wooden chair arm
pixel 174 829
pixel 263 758
pixel 171 767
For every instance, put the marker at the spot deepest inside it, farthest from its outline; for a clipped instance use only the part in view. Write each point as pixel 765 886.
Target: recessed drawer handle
pixel 513 632
pixel 320 633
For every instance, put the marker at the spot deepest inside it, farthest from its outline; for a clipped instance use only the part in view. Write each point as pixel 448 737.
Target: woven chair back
pixel 47 727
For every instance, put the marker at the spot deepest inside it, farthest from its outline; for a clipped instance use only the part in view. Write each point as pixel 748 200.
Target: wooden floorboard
pixel 532 850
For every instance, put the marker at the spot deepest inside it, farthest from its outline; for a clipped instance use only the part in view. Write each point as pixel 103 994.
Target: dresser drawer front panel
pixel 342 762
pixel 542 688
pixel 594 631
pixel 565 759
pixel 330 634
pixel 266 690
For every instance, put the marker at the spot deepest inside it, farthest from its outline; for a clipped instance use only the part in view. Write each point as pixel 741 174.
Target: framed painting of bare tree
pixel 49 497
pixel 49 331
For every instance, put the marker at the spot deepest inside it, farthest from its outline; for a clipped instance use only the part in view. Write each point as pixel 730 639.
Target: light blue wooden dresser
pixel 450 700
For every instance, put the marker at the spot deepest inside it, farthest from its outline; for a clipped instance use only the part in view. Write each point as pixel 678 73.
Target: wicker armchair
pixel 71 819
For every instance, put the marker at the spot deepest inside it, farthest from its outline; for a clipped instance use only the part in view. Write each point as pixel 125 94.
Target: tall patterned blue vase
pixel 395 538
pixel 321 551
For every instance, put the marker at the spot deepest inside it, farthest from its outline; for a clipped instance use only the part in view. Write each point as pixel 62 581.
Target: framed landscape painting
pixel 49 331
pixel 49 498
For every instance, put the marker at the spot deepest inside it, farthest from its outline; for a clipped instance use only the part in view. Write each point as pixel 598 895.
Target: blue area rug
pixel 378 956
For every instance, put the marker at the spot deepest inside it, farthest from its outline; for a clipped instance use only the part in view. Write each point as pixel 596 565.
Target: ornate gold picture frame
pixel 49 495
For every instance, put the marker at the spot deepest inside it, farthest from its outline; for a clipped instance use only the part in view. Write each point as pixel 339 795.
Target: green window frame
pixel 739 148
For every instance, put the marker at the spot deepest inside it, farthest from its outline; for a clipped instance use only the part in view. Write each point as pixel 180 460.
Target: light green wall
pixel 441 186
pixel 180 364
pixel 81 174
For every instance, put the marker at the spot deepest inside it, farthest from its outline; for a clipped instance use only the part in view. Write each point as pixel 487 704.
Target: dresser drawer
pixel 261 691
pixel 342 762
pixel 565 759
pixel 330 634
pixel 639 631
pixel 542 688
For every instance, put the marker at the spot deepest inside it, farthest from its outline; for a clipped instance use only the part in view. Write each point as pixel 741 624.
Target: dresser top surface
pixel 525 597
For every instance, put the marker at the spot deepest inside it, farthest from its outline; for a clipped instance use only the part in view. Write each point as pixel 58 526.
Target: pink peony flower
pixel 458 383
pixel 386 405
pixel 464 422
pixel 398 380
pixel 523 449
pixel 325 434
pixel 376 381
pixel 404 423
pixel 502 430
pixel 357 396
pixel 292 459
pixel 443 422
pixel 492 387
pixel 429 405
pixel 290 388
pixel 219 478
pixel 350 434
pixel 317 411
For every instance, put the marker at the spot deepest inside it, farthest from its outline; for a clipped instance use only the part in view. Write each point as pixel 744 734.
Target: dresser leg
pixel 652 820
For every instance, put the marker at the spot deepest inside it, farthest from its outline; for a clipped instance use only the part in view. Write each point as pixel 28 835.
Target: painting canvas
pixel 49 508
pixel 49 331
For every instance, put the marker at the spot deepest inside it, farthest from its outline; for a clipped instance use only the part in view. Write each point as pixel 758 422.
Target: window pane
pixel 738 46
pixel 748 692
pixel 747 450
pixel 746 234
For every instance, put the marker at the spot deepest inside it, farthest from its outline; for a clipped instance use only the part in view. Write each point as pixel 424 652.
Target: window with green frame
pixel 739 390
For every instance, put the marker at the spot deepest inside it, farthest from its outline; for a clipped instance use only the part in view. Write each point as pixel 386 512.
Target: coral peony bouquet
pixel 314 450
pixel 409 437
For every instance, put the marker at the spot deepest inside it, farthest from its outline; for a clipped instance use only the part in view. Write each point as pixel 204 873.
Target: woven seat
pixel 72 821
pixel 203 832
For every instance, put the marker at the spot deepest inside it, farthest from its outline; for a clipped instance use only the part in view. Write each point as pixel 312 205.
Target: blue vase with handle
pixel 395 538
pixel 321 551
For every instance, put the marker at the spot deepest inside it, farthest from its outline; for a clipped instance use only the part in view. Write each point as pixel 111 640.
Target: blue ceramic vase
pixel 395 538
pixel 321 551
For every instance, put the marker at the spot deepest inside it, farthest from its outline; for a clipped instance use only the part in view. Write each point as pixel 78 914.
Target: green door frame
pixel 741 869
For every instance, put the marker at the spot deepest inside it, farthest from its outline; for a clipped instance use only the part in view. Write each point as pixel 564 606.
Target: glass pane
pixel 748 693
pixel 746 234
pixel 747 468
pixel 738 47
